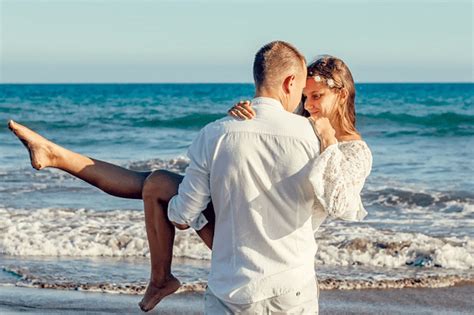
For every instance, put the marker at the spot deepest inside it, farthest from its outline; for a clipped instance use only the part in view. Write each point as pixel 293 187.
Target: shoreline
pixel 447 300
pixel 199 287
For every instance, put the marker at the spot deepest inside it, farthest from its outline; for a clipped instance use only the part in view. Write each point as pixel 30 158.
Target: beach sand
pixel 451 300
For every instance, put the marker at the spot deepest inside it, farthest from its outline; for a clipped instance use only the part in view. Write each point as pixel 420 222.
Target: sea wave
pixel 121 233
pixel 12 180
pixel 460 123
pixel 178 164
pixel 366 246
pixel 429 120
pixel 188 121
pixel 111 122
pixel 405 198
pixel 83 232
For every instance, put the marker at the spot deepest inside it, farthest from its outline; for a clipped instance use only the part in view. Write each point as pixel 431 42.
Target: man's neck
pixel 269 94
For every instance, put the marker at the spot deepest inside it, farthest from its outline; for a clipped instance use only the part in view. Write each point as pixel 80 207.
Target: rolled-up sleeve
pixel 194 191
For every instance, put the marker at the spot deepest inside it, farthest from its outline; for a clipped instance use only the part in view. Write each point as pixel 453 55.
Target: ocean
pixel 59 232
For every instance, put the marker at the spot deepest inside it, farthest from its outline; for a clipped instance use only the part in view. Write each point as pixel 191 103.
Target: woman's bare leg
pixel 110 178
pixel 158 189
pixel 160 233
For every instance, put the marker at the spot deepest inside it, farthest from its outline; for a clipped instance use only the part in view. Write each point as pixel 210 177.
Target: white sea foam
pixel 66 232
pixel 177 164
pixel 367 246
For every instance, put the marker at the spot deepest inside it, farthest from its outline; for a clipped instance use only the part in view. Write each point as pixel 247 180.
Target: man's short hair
pixel 273 61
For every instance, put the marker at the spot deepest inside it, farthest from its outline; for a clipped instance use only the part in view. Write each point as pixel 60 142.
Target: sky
pixel 137 41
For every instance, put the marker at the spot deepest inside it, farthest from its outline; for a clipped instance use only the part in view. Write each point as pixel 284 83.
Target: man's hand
pixel 180 226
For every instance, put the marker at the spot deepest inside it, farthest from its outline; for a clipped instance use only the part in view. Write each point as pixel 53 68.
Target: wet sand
pixel 451 300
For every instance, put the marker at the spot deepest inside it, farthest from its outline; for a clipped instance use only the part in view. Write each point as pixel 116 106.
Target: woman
pixel 333 106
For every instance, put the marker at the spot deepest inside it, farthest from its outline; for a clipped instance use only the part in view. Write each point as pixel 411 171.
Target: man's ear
pixel 288 83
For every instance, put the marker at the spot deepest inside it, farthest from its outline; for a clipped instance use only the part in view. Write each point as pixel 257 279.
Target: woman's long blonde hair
pixel 337 76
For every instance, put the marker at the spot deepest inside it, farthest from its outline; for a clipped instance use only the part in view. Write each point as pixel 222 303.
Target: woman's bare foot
pixel 155 292
pixel 40 149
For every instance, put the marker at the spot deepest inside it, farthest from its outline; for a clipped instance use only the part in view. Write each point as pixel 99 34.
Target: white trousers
pixel 302 301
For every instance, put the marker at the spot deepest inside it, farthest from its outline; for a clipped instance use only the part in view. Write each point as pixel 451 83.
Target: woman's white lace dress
pixel 338 176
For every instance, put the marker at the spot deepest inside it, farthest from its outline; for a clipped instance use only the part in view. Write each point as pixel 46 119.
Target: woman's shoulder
pixel 356 148
pixel 357 143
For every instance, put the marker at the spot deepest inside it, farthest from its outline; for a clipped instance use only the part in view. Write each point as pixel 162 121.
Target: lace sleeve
pixel 338 176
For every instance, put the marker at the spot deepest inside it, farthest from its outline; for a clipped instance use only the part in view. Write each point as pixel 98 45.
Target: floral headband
pixel 329 82
pixel 321 71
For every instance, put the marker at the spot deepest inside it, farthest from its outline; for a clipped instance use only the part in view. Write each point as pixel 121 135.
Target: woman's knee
pixel 161 185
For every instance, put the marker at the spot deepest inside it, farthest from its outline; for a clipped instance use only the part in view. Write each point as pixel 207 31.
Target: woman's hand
pixel 242 110
pixel 325 132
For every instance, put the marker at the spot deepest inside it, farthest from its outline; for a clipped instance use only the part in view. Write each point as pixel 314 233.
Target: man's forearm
pixel 185 209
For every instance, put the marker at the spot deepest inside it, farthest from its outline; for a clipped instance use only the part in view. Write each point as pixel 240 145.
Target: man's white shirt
pixel 256 172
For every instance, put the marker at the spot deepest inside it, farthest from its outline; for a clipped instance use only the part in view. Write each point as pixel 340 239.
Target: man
pixel 255 172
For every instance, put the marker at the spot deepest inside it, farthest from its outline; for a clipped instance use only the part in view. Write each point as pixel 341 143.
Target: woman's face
pixel 320 101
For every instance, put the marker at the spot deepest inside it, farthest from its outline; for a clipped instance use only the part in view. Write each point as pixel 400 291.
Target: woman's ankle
pixel 161 276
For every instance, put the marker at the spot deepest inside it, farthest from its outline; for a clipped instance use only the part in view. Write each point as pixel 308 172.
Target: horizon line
pixel 212 82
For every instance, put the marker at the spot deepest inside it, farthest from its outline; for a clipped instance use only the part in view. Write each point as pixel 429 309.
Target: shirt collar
pixel 268 102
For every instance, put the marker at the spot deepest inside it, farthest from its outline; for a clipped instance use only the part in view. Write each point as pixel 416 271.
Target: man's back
pixel 263 242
